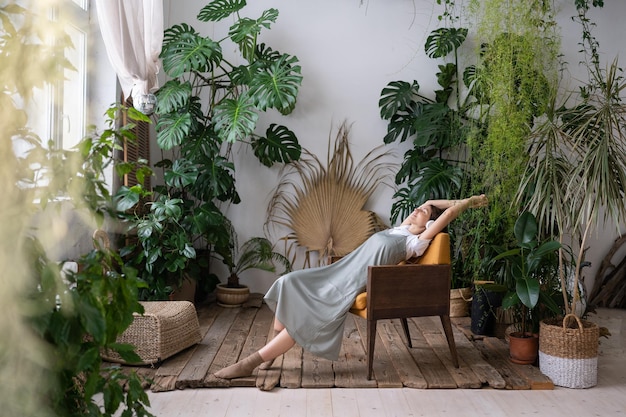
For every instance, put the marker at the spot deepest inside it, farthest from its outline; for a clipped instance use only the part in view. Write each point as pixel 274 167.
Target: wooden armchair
pixel 420 287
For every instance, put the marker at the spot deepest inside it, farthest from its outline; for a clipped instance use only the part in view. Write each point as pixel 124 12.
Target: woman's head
pixel 435 212
pixel 421 216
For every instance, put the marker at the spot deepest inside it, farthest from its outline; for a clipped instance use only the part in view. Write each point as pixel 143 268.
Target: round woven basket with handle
pixel 569 355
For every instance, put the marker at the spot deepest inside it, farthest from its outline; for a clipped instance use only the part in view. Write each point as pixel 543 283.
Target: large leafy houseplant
pixel 436 166
pixel 209 104
pixel 468 138
pixel 533 270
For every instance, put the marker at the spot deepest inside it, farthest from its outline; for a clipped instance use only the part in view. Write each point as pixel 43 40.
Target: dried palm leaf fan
pixel 322 206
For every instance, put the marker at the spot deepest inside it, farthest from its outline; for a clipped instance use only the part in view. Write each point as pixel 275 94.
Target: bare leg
pixel 277 346
pixel 278 327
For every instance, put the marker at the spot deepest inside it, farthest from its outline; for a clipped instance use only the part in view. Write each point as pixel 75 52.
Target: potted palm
pixel 255 253
pixel 531 266
pixel 575 180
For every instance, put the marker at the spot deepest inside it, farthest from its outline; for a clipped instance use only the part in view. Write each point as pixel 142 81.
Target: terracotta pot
pixel 523 347
pixel 231 297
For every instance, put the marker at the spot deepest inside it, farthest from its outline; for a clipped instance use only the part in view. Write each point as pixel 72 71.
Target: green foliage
pixel 471 137
pixel 206 107
pixel 255 253
pixel 531 274
pixel 576 177
pixel 79 317
pixel 440 128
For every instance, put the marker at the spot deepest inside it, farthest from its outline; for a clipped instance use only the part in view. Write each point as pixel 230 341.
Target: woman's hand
pixel 476 201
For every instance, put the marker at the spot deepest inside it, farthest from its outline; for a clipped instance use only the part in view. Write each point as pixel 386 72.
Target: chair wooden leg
pixel 405 326
pixel 371 341
pixel 447 328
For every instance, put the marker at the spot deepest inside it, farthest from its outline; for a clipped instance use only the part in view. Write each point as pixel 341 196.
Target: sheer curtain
pixel 132 32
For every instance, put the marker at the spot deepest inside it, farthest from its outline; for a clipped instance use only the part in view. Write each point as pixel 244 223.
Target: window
pixel 58 113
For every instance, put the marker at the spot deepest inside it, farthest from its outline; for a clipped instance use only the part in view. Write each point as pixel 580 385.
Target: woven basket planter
pixel 569 356
pixel 231 297
pixel 459 301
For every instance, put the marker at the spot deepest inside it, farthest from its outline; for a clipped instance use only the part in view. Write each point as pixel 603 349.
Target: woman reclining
pixel 311 305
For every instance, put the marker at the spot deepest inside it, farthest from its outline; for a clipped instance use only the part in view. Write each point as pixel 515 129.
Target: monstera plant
pixel 208 105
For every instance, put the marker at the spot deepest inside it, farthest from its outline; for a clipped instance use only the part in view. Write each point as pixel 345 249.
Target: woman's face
pixel 419 218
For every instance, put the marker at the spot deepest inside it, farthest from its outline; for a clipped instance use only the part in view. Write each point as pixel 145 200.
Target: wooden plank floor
pixel 231 333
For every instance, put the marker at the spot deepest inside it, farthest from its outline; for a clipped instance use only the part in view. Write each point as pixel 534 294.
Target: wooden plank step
pixel 429 363
pixel 492 353
pixel 256 339
pixel 198 365
pixel 401 359
pixel 291 376
pixel 230 350
pixel 485 372
pixel 432 330
pixel 317 372
pixel 384 373
pixel 530 373
pixel 351 368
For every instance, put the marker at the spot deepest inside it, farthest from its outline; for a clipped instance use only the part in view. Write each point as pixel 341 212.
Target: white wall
pixel 349 50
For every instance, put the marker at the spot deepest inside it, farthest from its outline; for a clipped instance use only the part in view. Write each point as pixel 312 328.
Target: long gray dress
pixel 313 303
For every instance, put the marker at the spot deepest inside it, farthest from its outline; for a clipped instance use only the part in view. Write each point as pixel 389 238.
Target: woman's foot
pixel 242 368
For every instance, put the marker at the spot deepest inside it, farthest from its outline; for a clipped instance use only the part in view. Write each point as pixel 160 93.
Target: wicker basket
pixel 165 328
pixel 569 356
pixel 459 301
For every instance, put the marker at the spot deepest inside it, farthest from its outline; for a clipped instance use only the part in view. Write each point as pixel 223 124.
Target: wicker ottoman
pixel 165 328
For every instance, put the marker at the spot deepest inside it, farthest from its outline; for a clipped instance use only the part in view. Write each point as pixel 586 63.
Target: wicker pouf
pixel 165 328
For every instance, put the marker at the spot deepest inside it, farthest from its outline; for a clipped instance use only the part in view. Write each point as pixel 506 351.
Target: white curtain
pixel 133 36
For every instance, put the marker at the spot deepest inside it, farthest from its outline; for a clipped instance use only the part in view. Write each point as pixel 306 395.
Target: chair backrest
pixel 438 252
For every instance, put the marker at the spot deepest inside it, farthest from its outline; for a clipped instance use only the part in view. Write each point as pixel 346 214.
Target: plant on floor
pixel 208 105
pixel 255 253
pixel 533 270
pixel 83 315
pixel 577 171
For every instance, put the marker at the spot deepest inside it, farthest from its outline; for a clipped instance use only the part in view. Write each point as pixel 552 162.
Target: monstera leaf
pixel 442 41
pixel 397 96
pixel 184 50
pixel 279 145
pixel 276 86
pixel 245 32
pixel 220 9
pixel 172 96
pixel 235 119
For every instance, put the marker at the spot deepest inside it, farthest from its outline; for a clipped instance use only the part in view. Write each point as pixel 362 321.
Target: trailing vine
pixel 519 63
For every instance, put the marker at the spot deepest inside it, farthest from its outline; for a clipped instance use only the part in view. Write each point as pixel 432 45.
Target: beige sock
pixel 242 368
pixel 268 364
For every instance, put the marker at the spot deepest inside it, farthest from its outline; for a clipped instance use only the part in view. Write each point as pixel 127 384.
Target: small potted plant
pixel 530 267
pixel 255 253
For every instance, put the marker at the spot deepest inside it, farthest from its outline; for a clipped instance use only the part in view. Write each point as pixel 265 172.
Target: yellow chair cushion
pixel 437 253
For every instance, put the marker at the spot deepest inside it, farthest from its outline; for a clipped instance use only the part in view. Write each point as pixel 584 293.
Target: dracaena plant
pixel 207 105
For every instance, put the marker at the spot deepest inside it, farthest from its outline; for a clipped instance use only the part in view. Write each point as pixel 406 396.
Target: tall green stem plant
pixel 519 49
